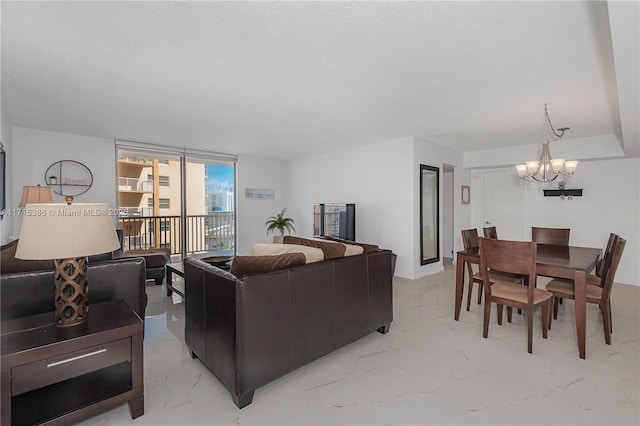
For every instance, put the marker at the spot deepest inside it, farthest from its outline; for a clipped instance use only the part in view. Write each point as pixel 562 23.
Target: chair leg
pixel 606 320
pixel 487 315
pixel 499 310
pixel 545 318
pixel 610 319
pixel 555 308
pixel 480 294
pixel 469 293
pixel 530 330
pixel 509 314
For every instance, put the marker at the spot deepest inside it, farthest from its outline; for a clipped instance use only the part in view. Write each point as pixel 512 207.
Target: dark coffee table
pixel 178 269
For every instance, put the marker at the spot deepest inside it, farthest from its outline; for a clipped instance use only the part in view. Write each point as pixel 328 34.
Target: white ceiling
pixel 286 79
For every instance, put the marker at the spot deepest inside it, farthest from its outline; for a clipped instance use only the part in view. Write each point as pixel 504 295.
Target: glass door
pixel 150 200
pixel 210 202
pixel 164 195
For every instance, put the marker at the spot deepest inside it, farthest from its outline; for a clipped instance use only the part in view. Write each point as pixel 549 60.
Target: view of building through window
pixel 150 202
pixel 219 187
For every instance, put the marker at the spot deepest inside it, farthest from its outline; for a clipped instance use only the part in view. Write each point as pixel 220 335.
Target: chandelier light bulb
pixel 557 164
pixel 570 166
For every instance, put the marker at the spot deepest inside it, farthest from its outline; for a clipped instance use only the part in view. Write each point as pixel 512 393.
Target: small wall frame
pixel 465 194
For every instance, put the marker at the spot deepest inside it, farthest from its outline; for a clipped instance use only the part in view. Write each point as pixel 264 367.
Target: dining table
pixel 568 262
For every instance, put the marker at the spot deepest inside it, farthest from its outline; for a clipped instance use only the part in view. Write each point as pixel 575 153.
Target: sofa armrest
pixel 31 293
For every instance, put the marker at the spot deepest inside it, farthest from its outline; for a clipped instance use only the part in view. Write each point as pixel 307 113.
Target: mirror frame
pixel 429 212
pixel 3 184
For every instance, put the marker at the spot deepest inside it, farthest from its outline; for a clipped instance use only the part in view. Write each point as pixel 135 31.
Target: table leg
pixel 459 285
pixel 581 310
pixel 169 282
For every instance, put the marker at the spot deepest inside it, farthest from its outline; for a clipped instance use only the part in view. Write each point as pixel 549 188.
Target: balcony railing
pixel 134 184
pixel 205 233
pixel 135 211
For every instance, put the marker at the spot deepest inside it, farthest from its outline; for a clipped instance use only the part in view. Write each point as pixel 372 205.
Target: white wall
pixel 461 212
pixel 35 150
pixel 100 157
pixel 436 155
pixel 377 178
pixel 610 203
pixel 383 180
pixel 251 214
pixel 6 223
pixel 447 214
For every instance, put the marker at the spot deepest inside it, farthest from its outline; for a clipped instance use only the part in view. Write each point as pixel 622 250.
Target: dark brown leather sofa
pixel 31 293
pixel 252 331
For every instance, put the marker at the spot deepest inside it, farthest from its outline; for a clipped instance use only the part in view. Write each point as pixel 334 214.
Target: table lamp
pixel 36 194
pixel 67 234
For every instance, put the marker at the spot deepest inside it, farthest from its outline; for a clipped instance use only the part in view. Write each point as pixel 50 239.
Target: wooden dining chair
pixel 470 240
pixel 598 294
pixel 603 265
pixel 601 270
pixel 490 232
pixel 555 236
pixel 513 257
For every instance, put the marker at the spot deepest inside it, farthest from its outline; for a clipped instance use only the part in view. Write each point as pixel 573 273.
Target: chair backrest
pixel 490 232
pixel 613 267
pixel 515 257
pixel 470 238
pixel 603 266
pixel 555 236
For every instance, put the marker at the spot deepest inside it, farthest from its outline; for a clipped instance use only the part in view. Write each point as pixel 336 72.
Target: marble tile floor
pixel 428 370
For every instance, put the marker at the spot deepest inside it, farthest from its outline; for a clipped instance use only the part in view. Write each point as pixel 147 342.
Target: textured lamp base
pixel 71 291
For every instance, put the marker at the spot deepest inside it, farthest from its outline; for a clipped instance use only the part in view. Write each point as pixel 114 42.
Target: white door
pixel 504 205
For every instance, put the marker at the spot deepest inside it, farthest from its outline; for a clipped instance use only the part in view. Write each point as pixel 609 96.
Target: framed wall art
pixel 466 194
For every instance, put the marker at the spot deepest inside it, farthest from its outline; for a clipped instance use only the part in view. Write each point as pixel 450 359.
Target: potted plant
pixel 279 222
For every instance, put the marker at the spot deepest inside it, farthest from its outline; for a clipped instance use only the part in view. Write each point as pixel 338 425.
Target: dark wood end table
pixel 58 375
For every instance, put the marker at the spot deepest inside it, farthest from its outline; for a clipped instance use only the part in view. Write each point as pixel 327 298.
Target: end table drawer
pixel 53 370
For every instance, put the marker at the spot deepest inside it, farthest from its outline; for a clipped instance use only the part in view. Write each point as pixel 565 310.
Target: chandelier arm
pixel 543 180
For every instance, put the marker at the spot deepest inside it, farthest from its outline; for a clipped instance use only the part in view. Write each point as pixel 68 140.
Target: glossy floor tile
pixel 429 369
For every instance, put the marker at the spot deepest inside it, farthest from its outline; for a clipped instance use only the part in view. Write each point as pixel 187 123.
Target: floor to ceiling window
pixel 210 225
pixel 177 199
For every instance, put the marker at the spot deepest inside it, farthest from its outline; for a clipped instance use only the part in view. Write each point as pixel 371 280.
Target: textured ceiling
pixel 286 79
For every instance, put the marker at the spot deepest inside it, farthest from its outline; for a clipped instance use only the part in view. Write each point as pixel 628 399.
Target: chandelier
pixel 547 169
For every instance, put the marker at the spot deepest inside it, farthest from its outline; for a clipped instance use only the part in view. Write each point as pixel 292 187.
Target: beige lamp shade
pixel 62 231
pixel 36 194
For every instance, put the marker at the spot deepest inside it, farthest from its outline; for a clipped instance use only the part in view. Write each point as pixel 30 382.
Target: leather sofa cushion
pixel 243 266
pixel 368 248
pixel 350 249
pixel 10 265
pixel 312 254
pixel 330 250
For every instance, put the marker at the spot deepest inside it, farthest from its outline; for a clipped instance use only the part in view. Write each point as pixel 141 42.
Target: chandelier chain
pixel 548 121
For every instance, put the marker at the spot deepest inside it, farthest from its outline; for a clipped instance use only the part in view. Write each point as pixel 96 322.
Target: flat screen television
pixel 335 220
